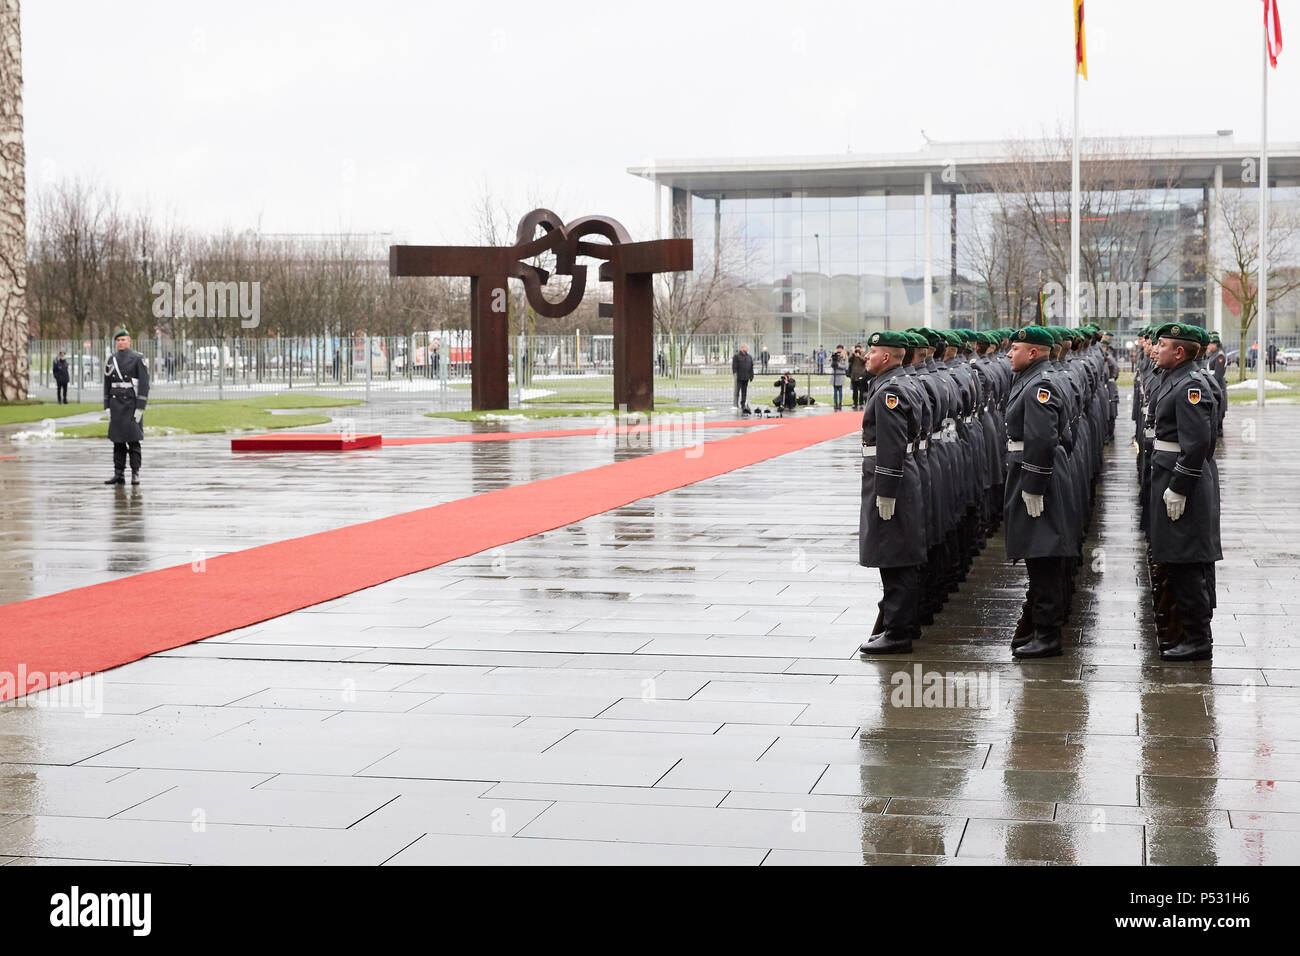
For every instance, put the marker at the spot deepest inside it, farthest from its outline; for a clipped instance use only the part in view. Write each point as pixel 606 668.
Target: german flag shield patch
pixel 891 401
pixel 1194 396
pixel 1044 396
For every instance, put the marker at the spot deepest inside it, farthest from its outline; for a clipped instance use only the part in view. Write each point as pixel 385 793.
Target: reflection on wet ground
pixel 670 682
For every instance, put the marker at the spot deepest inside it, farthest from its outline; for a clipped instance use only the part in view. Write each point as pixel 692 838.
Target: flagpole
pixel 1262 311
pixel 1074 210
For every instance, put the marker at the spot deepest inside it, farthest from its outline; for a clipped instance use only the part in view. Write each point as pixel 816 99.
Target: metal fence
pixel 436 367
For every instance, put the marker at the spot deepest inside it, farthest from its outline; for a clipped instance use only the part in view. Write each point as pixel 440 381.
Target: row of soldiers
pixel 964 430
pixel 1179 401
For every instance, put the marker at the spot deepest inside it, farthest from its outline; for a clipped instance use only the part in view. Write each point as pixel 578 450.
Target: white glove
pixel 1033 504
pixel 1175 504
pixel 886 507
pixel 139 415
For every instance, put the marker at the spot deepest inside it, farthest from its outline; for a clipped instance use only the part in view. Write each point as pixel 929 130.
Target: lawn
pixel 215 416
pixel 34 412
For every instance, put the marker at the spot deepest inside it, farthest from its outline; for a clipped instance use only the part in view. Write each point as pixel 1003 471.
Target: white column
pixel 929 267
pixel 659 211
pixel 1215 213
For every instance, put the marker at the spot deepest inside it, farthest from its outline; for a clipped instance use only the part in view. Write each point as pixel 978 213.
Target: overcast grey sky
pixel 391 116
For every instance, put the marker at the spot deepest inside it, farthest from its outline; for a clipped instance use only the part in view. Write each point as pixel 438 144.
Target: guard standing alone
pixel 126 392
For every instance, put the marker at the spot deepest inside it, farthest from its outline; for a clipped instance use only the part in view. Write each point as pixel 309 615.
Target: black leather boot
pixel 1024 628
pixel 1043 643
pixel 879 626
pixel 887 643
pixel 1195 645
pixel 117 479
pixel 1171 633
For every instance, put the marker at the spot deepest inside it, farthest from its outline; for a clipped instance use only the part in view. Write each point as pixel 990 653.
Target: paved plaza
pixel 674 681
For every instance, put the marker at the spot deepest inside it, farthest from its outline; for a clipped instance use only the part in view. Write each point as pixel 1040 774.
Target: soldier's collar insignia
pixel 891 401
pixel 1044 395
pixel 1194 396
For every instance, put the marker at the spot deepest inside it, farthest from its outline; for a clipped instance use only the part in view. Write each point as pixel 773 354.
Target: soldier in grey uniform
pixel 1183 506
pixel 892 521
pixel 126 393
pixel 1035 504
pixel 1216 364
pixel 1112 386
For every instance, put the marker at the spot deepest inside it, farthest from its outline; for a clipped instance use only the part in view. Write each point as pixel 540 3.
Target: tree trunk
pixel 13 232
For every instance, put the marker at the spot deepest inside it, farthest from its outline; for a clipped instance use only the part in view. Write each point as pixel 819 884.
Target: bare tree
pixel 716 292
pixel 995 251
pixel 1125 230
pixel 78 234
pixel 13 242
pixel 1237 271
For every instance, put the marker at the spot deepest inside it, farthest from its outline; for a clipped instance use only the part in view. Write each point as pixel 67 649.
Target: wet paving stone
pixel 674 682
pixel 1189 846
pixel 1000 840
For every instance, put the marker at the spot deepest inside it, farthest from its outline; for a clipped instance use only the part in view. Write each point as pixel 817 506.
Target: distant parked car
pixel 1233 357
pixel 1289 357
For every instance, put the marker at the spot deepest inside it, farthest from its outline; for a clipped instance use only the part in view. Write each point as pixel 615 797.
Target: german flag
pixel 1080 46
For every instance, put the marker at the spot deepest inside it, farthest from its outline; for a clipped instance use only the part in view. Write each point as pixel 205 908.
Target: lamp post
pixel 818 240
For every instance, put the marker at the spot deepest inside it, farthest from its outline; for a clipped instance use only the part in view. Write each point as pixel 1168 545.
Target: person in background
pixel 858 375
pixel 60 371
pixel 839 371
pixel 785 397
pixel 742 370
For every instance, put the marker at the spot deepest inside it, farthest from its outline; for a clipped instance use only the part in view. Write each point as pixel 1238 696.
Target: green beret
pixel 1183 332
pixel 1214 337
pixel 890 339
pixel 951 338
pixel 1034 335
pixel 121 332
pixel 919 341
pixel 933 337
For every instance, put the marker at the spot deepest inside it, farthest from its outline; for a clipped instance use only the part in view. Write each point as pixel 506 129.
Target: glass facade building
pixel 847 240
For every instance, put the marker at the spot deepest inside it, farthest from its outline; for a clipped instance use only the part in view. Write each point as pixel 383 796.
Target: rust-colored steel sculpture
pixel 630 266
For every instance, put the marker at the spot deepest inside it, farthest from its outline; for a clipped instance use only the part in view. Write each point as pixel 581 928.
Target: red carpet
pixel 570 432
pixel 176 606
pixel 324 441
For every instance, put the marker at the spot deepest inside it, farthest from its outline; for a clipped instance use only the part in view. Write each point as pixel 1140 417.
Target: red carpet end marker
pixel 322 441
